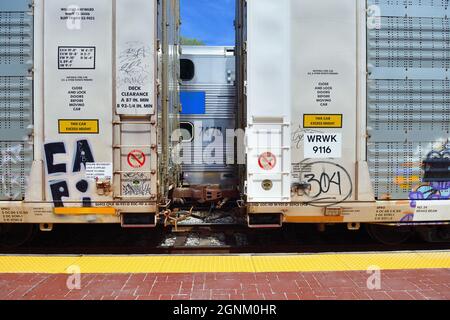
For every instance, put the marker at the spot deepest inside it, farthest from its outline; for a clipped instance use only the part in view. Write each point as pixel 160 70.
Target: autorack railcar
pixel 343 113
pixel 89 93
pixel 352 98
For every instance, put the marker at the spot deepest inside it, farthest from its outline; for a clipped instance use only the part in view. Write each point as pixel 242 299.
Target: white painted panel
pixel 135 50
pixel 432 211
pixel 77 86
pixel 268 161
pixel 268 103
pixel 302 59
pixel 268 58
pixel 324 82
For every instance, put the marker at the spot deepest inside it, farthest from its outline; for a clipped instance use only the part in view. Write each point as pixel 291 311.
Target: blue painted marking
pixel 193 102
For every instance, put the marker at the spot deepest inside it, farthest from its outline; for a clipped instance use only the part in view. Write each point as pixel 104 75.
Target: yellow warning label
pixel 78 126
pixel 322 121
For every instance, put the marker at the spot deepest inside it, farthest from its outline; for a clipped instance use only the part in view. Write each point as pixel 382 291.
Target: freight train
pixel 326 112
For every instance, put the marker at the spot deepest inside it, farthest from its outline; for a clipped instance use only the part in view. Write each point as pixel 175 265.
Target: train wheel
pixel 15 235
pixel 434 233
pixel 389 235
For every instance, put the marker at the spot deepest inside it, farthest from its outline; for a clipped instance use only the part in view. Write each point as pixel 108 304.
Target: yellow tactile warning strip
pixel 226 263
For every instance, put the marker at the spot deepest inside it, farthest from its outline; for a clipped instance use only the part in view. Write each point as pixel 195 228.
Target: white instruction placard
pixel 76 58
pixel 436 210
pixel 99 170
pixel 322 145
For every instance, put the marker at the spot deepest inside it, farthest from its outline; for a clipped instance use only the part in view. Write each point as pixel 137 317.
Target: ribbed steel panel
pixel 396 167
pixel 16 96
pixel 220 113
pixel 16 41
pixel 15 108
pixel 407 105
pixel 410 43
pixel 401 4
pixel 220 100
pixel 214 75
pixel 408 93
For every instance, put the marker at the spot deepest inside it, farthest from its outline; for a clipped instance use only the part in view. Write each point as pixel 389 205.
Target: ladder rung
pixel 119 172
pixel 136 198
pixel 131 146
pixel 118 123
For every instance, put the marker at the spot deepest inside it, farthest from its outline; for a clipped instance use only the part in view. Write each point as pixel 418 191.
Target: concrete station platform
pixel 410 275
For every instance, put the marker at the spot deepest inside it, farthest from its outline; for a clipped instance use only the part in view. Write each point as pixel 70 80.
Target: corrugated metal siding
pixel 220 100
pixel 408 93
pixel 220 112
pixel 16 96
pixel 214 75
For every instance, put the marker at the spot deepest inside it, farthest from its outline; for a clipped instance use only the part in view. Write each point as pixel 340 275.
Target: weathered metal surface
pixel 408 102
pixel 16 96
pixel 215 76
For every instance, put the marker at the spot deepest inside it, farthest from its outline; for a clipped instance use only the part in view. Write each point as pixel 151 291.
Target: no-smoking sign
pixel 267 161
pixel 136 159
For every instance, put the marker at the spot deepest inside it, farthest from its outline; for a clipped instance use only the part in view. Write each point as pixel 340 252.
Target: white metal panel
pixel 268 160
pixel 324 82
pixel 431 211
pixel 302 59
pixel 268 97
pixel 77 86
pixel 136 56
pixel 269 58
pixel 36 190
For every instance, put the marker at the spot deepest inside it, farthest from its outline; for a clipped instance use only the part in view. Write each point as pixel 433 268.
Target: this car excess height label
pixel 322 145
pixel 322 121
pixel 78 126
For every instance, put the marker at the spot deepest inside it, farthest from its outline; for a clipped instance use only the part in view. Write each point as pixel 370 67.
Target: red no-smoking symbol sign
pixel 267 161
pixel 136 159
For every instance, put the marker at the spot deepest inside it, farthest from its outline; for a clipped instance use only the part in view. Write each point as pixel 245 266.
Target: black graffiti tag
pixel 59 190
pixel 52 149
pixel 331 186
pixel 299 135
pixel 59 187
pixel 324 182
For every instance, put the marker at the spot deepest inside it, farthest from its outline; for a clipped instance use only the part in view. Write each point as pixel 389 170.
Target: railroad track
pixel 208 240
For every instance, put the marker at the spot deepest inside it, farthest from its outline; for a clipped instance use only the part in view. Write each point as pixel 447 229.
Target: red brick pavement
pixel 395 284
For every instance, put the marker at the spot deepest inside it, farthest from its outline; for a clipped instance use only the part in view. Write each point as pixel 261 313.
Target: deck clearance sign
pixel 323 145
pixel 135 59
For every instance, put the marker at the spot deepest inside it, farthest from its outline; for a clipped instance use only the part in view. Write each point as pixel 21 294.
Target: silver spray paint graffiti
pixel 136 184
pixel 62 173
pixel 15 163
